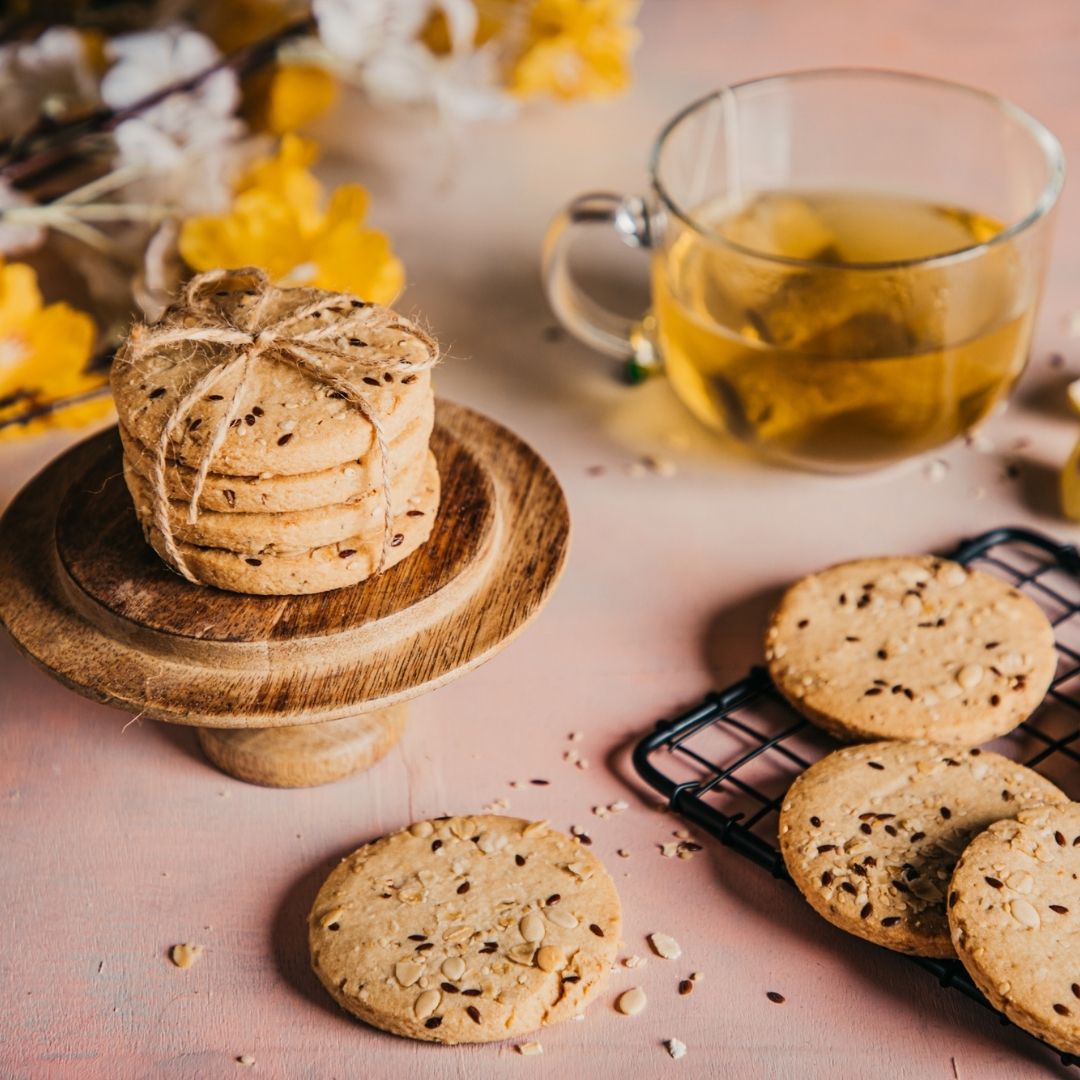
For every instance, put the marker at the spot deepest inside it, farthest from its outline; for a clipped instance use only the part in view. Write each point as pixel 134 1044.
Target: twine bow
pixel 329 352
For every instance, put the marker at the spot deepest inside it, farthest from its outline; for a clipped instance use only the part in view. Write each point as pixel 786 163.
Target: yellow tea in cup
pixel 855 351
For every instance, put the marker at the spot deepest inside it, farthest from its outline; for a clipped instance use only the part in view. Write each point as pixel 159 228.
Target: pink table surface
pixel 119 840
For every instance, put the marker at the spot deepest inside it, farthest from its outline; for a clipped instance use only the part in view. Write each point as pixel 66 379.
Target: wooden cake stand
pixel 285 691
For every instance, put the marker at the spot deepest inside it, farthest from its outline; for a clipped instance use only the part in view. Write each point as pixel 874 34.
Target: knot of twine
pixel 328 353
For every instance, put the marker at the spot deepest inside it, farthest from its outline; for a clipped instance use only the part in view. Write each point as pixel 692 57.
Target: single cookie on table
pixel 289 421
pixel 870 833
pixel 284 532
pixel 334 566
pixel 352 480
pixel 910 648
pixel 466 929
pixel 1014 910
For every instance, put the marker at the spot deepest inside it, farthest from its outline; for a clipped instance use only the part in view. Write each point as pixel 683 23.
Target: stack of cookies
pixel 924 842
pixel 276 440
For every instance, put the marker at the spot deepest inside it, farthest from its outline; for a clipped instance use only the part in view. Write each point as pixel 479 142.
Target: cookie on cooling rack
pixel 870 834
pixel 466 929
pixel 1014 910
pixel 910 648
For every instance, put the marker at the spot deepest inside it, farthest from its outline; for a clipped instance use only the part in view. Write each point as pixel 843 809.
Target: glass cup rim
pixel 1043 137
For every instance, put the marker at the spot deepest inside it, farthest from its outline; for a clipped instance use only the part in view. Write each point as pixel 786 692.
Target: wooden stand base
pixel 312 684
pixel 304 755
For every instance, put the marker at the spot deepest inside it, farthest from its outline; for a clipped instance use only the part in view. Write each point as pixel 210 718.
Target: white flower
pixel 185 127
pixel 355 30
pixel 51 75
pixel 193 176
pixel 462 86
pixel 380 38
pixel 201 175
pixel 154 59
pixel 17 238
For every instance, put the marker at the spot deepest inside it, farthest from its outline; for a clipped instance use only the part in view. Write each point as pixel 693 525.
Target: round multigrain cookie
pixel 910 648
pixel 270 493
pixel 466 929
pixel 285 532
pixel 870 834
pixel 321 569
pixel 1014 910
pixel 288 420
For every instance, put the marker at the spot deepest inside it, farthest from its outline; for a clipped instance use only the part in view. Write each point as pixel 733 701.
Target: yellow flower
pixel 1070 473
pixel 286 97
pixel 576 49
pixel 95 42
pixel 298 94
pixel 493 17
pixel 435 33
pixel 277 222
pixel 44 352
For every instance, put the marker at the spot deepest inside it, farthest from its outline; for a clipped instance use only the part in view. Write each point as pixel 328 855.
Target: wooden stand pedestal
pixel 286 691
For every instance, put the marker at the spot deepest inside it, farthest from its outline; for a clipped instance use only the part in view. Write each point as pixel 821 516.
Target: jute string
pixel 325 353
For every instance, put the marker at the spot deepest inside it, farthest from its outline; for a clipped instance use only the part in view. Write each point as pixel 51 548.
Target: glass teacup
pixel 846 264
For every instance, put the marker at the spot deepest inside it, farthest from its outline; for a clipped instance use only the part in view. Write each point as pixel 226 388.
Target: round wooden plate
pixel 89 601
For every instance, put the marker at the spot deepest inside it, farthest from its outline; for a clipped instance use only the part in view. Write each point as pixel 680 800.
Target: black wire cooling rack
pixel 726 763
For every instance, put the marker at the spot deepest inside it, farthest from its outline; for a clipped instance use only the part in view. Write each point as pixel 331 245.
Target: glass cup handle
pixel 590 322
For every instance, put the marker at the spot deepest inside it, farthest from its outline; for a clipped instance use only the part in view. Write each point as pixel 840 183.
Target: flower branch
pixel 24 157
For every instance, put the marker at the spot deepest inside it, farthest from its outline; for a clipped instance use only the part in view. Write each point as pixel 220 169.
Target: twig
pixel 103 185
pixel 91 237
pixel 9 399
pixel 109 212
pixel 46 408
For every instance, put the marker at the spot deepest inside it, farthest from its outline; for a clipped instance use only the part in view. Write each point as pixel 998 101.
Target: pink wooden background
pixel 119 841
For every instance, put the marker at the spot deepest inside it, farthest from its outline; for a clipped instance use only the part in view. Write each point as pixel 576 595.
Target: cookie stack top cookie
pixel 276 440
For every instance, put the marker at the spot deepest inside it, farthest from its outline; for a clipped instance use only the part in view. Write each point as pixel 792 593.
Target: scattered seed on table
pixel 183 956
pixel 676 1048
pixel 666 946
